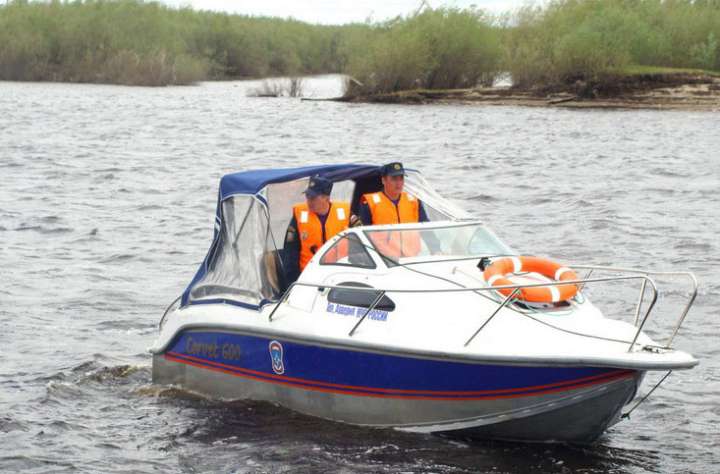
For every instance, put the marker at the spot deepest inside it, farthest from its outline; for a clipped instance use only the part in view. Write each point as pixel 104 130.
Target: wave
pixel 9 424
pixel 122 257
pixel 43 229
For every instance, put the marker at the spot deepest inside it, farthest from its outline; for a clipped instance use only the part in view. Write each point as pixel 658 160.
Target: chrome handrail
pixel 647 314
pixel 639 303
pixel 643 275
pixel 375 302
pixel 640 276
pixel 162 320
pixel 688 305
pixel 504 303
pixel 464 289
pixel 282 299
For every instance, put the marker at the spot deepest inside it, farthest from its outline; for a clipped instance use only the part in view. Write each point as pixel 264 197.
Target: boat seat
pixel 272 275
pixel 370 184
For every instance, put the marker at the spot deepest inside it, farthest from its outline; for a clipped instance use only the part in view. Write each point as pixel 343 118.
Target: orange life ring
pixel 494 275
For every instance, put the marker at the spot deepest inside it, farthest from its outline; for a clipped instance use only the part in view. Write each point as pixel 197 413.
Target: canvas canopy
pixel 244 265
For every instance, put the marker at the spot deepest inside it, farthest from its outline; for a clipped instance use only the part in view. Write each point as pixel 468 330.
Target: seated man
pixel 391 205
pixel 394 206
pixel 314 222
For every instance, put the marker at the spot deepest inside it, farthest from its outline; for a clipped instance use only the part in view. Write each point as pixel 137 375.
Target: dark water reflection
pixel 106 202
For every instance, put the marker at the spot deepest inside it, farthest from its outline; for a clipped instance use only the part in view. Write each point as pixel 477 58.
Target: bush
pixel 568 39
pixel 134 42
pixel 705 55
pixel 290 87
pixel 398 58
pixel 439 49
pixel 146 43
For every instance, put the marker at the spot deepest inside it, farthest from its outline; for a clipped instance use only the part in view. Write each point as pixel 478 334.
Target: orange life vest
pixel 383 211
pixel 311 232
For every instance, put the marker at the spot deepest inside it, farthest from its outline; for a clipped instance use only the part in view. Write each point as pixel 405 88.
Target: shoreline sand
pixel 659 91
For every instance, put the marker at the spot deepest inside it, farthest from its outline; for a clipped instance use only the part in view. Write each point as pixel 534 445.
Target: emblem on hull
pixel 276 357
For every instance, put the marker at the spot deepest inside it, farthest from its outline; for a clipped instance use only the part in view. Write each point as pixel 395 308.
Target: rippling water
pixel 107 197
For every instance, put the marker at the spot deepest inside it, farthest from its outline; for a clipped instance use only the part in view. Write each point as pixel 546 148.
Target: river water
pixel 107 197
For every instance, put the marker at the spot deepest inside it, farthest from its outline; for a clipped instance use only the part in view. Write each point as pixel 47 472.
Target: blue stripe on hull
pixel 371 374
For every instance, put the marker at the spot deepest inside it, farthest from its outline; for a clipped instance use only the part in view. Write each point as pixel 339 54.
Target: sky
pixel 339 11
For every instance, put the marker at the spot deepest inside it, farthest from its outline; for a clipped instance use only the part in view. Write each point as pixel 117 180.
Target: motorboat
pixel 463 336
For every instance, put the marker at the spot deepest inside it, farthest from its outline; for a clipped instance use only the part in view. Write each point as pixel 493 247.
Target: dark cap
pixel 317 186
pixel 392 169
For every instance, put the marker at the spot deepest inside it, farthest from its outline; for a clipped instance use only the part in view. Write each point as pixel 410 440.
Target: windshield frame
pixel 367 230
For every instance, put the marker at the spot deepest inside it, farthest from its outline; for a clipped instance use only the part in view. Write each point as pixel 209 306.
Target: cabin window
pixel 239 267
pixel 359 298
pixel 349 251
pixel 281 197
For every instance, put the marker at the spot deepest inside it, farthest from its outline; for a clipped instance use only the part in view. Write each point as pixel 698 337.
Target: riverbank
pixel 648 90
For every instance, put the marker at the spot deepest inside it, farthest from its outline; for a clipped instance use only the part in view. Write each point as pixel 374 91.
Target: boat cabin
pixel 244 265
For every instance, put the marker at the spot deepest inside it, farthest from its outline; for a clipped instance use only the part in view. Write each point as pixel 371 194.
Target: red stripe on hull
pixel 328 387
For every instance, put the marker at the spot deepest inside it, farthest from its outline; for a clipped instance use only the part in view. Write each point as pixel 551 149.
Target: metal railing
pixel 167 310
pixel 689 275
pixel 643 275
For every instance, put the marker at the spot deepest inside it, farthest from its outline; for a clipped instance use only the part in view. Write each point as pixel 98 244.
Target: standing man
pixel 393 206
pixel 314 222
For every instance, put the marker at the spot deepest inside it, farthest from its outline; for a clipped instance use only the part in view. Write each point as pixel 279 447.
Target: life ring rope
pixel 496 274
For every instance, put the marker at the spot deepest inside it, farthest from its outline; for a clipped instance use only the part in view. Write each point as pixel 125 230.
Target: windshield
pixel 439 243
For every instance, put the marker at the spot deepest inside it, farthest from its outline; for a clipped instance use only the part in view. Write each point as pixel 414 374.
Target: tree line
pixel 148 43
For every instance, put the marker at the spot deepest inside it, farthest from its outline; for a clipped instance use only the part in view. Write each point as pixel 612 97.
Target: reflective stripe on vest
pixel 310 229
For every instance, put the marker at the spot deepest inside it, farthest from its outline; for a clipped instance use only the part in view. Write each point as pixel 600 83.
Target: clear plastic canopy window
pixel 247 266
pixel 423 245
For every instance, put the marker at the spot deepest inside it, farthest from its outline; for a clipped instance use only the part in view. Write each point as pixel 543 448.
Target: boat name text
pixel 212 350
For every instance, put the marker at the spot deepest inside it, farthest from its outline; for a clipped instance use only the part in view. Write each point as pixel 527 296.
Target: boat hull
pixel 538 403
